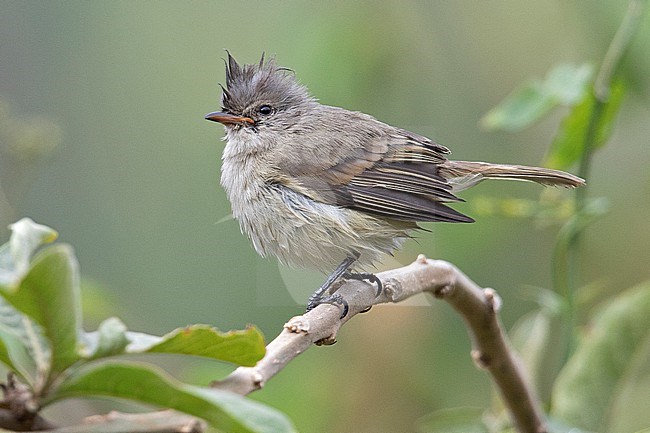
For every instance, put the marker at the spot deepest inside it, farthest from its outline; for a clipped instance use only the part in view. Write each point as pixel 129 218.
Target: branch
pixel 163 421
pixel 477 306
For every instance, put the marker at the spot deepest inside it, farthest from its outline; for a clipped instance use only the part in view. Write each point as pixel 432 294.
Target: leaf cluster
pixel 43 343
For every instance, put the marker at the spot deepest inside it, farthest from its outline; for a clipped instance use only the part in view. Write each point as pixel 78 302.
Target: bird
pixel 334 190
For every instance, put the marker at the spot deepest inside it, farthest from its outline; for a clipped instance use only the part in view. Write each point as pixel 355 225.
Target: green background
pixel 134 183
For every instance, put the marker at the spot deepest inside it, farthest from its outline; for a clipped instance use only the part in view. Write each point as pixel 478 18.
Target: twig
pixel 477 306
pixel 164 421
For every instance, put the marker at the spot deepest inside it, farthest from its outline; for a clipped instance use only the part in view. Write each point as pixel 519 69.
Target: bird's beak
pixel 229 119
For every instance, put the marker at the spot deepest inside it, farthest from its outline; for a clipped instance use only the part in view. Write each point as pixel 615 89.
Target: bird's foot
pixel 367 277
pixel 335 299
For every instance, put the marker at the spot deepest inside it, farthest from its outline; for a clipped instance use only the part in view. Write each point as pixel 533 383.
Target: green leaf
pixel 26 237
pixel 109 339
pixel 244 347
pixel 9 343
pixel 148 384
pixel 49 295
pixel 569 83
pixel 629 411
pixel 608 360
pixel 565 84
pixel 525 105
pixel 456 420
pixel 569 142
pixel 23 347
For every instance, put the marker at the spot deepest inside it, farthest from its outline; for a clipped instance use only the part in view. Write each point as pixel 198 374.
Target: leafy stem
pixel 568 244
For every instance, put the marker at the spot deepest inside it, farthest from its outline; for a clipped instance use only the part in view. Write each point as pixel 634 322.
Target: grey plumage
pixel 313 184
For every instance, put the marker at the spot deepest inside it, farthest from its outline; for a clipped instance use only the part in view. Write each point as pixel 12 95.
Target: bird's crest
pixel 262 82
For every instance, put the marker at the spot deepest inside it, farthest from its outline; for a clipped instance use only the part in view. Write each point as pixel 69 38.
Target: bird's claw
pixel 335 299
pixel 365 276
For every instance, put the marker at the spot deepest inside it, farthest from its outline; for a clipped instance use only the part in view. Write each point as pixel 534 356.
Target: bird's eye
pixel 265 109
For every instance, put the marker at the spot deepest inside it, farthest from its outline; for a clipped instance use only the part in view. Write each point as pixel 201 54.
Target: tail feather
pixel 465 174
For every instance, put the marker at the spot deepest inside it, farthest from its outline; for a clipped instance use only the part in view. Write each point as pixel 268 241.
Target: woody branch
pixel 478 307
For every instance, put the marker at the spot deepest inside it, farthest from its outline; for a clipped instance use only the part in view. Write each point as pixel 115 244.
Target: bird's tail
pixel 465 174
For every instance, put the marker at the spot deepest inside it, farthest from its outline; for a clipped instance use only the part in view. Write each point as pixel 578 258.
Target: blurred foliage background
pixel 105 101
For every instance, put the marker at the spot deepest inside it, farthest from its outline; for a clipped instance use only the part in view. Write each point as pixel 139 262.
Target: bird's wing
pixel 384 171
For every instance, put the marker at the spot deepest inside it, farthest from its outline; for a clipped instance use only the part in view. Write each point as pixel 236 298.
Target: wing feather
pixel 404 206
pixel 377 169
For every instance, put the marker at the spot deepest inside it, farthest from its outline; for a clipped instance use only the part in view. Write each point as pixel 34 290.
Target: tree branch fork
pixel 477 306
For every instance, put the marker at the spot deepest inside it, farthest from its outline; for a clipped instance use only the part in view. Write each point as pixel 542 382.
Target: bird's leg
pixel 318 296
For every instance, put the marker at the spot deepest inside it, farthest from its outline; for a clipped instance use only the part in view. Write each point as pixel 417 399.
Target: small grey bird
pixel 326 188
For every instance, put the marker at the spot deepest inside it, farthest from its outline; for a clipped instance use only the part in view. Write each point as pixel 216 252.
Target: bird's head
pixel 260 98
